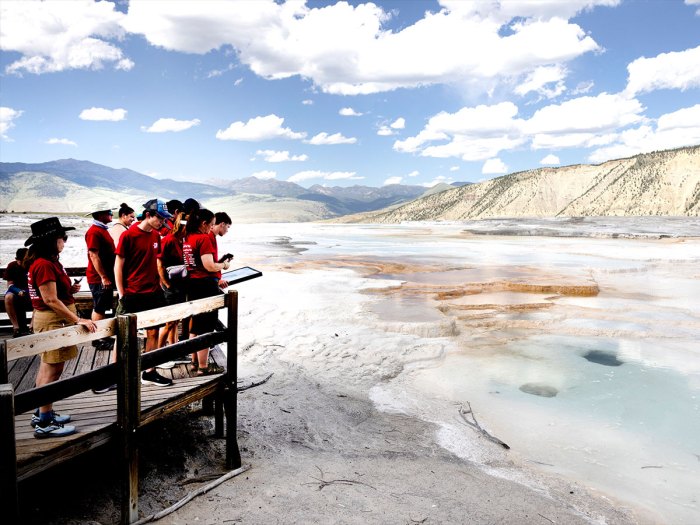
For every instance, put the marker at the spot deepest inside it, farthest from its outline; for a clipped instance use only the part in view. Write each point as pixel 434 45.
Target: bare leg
pixel 201 357
pixel 10 309
pixel 48 373
pixel 151 342
pixel 97 316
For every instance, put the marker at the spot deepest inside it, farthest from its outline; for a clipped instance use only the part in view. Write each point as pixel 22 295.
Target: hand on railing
pixel 87 323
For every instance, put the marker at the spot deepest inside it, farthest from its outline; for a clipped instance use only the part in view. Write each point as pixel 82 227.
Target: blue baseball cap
pixel 159 206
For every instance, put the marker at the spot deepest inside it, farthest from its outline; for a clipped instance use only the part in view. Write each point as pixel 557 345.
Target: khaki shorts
pixel 45 320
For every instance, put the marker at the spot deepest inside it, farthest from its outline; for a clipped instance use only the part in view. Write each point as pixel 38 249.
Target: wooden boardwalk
pixel 95 415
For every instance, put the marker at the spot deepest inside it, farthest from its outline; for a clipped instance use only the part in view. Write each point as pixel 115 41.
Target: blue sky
pixel 343 93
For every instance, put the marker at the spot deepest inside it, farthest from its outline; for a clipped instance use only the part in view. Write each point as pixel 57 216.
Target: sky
pixel 343 93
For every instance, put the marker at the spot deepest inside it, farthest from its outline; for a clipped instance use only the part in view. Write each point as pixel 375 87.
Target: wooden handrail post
pixel 4 377
pixel 8 455
pixel 129 413
pixel 233 455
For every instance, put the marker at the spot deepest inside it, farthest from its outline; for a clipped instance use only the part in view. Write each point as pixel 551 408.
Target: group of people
pixel 167 256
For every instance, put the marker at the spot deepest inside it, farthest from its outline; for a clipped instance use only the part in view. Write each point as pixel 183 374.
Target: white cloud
pixel 414 173
pixel 7 116
pixel 583 87
pixel 218 72
pixel 55 36
pixel 437 180
pixel 65 142
pixel 280 156
pixel 238 82
pixel 550 160
pixel 676 70
pixel 694 2
pixel 454 168
pixel 494 166
pixel 265 175
pixel 324 138
pixel 392 180
pixel 349 112
pixel 583 121
pixel 673 130
pixel 163 125
pixel 539 80
pixel 113 115
pixel 307 102
pixel 385 131
pixel 258 128
pixel 399 123
pixel 346 49
pixel 325 175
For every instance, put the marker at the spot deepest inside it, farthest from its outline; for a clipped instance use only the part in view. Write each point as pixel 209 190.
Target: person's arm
pixel 119 274
pixel 162 274
pixel 99 268
pixel 210 265
pixel 50 297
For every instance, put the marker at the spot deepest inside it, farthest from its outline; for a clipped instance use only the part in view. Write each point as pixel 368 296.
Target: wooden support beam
pixel 4 376
pixel 233 455
pixel 8 456
pixel 129 414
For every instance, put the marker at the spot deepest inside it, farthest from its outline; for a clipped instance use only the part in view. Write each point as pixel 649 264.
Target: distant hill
pixel 658 183
pixel 96 176
pixel 77 186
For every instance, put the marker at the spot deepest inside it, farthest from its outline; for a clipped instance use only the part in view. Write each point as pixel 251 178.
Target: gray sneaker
pixel 53 429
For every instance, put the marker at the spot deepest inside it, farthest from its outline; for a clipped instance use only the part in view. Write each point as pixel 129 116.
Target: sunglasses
pixel 65 238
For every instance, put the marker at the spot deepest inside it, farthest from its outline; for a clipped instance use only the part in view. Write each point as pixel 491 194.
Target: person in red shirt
pixel 100 268
pixel 17 302
pixel 173 287
pixel 136 275
pixel 126 219
pixel 51 293
pixel 203 280
pixel 222 222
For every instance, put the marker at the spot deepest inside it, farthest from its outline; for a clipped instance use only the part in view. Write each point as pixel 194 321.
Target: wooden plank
pixel 18 371
pixel 179 311
pixel 29 377
pixel 4 372
pixel 8 455
pixel 85 361
pixel 74 335
pixel 128 415
pixel 230 395
pixel 71 335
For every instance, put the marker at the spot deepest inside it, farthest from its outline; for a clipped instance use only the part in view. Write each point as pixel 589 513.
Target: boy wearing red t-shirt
pixel 136 275
pixel 100 268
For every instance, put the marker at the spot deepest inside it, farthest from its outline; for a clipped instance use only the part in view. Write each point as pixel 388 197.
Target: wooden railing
pixel 126 373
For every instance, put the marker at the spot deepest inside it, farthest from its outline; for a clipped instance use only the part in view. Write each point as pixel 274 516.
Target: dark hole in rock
pixel 538 389
pixel 602 358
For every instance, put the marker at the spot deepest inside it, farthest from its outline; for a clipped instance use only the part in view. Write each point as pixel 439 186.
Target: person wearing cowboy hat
pixel 51 293
pixel 100 267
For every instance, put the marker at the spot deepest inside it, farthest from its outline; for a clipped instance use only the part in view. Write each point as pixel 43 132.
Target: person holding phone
pixel 222 223
pixel 204 270
pixel 51 292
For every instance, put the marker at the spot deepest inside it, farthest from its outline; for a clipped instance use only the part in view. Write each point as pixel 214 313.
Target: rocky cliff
pixel 659 183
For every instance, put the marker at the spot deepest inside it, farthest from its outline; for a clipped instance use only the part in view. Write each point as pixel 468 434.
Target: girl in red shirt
pixel 198 253
pixel 51 293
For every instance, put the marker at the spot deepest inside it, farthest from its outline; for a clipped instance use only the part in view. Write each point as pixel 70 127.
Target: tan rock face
pixel 660 183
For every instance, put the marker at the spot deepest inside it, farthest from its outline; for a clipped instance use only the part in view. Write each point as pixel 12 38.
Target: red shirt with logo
pixel 101 241
pixel 16 275
pixel 194 246
pixel 139 249
pixel 43 271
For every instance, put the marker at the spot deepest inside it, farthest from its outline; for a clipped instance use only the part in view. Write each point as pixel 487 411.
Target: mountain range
pixel 70 185
pixel 658 183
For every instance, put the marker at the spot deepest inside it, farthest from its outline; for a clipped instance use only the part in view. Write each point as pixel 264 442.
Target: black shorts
pixel 102 298
pixel 140 302
pixel 199 289
pixel 174 295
